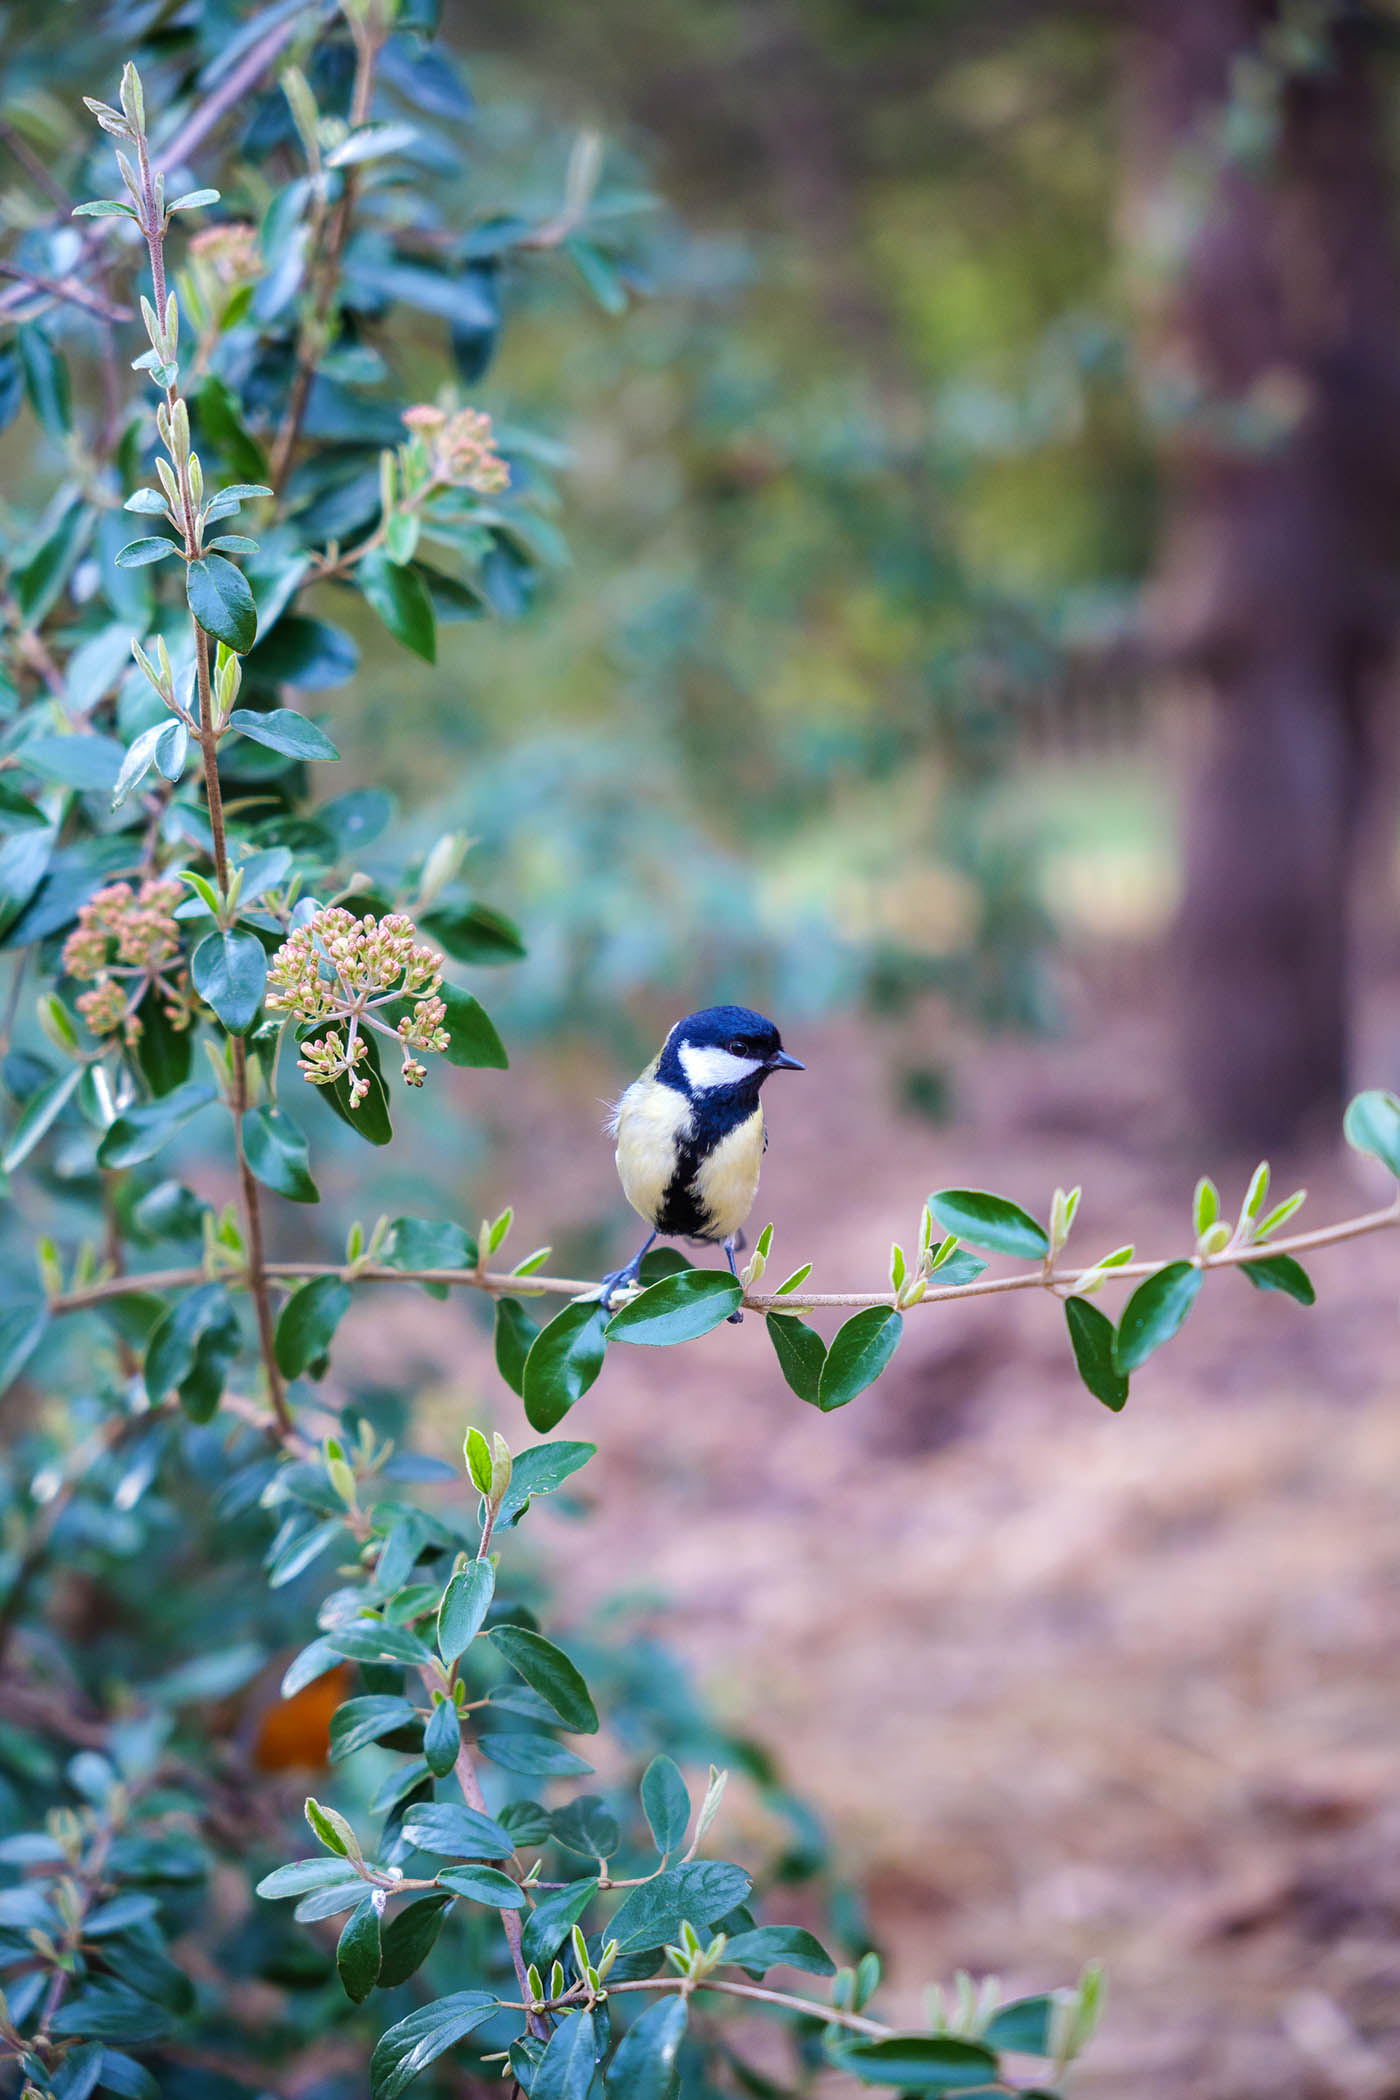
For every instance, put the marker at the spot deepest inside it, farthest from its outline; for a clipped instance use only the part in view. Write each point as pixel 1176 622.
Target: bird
pixel 690 1132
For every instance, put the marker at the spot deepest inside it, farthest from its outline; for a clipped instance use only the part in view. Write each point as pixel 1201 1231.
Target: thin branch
pixel 811 2007
pixel 207 113
pixel 65 288
pixel 255 1276
pixel 510 1919
pixel 251 1201
pixel 34 164
pixel 499 1284
pixel 109 1438
pixel 229 92
pixel 328 238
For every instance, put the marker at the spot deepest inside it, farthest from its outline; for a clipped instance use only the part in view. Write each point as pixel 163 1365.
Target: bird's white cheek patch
pixel 705 1065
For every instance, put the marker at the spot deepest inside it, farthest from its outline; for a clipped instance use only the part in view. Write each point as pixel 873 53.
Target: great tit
pixel 690 1133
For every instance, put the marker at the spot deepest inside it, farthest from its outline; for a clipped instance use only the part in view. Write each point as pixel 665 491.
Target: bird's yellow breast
pixel 726 1181
pixel 653 1122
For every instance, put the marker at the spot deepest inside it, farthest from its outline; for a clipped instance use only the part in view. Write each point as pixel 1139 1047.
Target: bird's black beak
pixel 781 1062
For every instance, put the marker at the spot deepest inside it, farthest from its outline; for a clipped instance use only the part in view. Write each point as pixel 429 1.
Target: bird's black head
pixel 723 1048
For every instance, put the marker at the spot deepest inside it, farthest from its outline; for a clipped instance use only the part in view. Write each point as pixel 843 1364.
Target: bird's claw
pixel 618 1280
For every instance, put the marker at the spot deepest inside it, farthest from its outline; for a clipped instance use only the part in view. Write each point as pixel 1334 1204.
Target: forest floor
pixel 1064 1684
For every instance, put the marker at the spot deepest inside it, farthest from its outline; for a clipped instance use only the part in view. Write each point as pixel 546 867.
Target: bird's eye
pixel 736 1047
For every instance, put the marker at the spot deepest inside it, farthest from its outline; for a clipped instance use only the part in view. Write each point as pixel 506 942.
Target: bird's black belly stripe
pixel 681 1214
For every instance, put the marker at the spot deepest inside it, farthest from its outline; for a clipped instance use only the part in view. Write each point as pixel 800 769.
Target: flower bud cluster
pixel 335 969
pixel 126 940
pixel 460 449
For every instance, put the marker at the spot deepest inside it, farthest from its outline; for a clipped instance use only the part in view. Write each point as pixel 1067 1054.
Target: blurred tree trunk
pixel 1277 327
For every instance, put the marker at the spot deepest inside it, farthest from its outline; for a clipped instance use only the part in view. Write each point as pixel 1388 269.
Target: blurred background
pixel 981 483
pixel 969 501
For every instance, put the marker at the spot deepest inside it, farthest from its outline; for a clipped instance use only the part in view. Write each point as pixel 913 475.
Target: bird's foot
pixel 736 1319
pixel 617 1280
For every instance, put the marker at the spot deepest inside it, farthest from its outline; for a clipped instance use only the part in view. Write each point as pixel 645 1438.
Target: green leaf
pixel 549 1672
pixel 193 200
pixel 141 1132
pixel 45 380
pixel 1372 1124
pixel 515 1337
pixel 39 574
pixel 919 2062
pixel 357 1955
pixel 1092 1338
pixel 566 2068
pixel 554 1917
pixel 780 1946
pixel 408 1939
pixel 474 933
pixel 587 1826
pixel 283 729
pixel 449 1827
pixel 472 1038
pixel 564 1360
pixel 367 1720
pixel 702 1891
pixel 408 2048
pixel 429 1243
pixel 539 1471
pixel 230 974
pixel 40 1112
pixel 1023 2026
pixel 462 1613
pixel 136 554
pixel 106 2012
pixel 532 1756
pixel 484 1885
pixel 300 1550
pixel 305 652
pixel 92 764
pixel 859 1352
pixel 192 1349
pixel 665 1803
pixel 370 1120
pixel 277 1154
pixel 678 1309
pixel 22 1328
pixel 304 1874
pixel 163 1051
pixel 598 273
pixel 221 601
pixel 399 597
pixel 644 2063
pixel 442 1739
pixel 1154 1312
pixel 373 1640
pixel 801 1352
pixel 1279 1272
pixel 307 1323
pixel 990 1221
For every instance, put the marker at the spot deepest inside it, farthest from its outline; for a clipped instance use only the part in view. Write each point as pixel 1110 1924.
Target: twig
pixel 65 288
pixel 812 2007
pixel 102 1444
pixel 498 1284
pixel 257 1268
pixel 510 1919
pixel 34 165
pixel 255 1276
pixel 328 238
pixel 200 122
pixel 229 91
